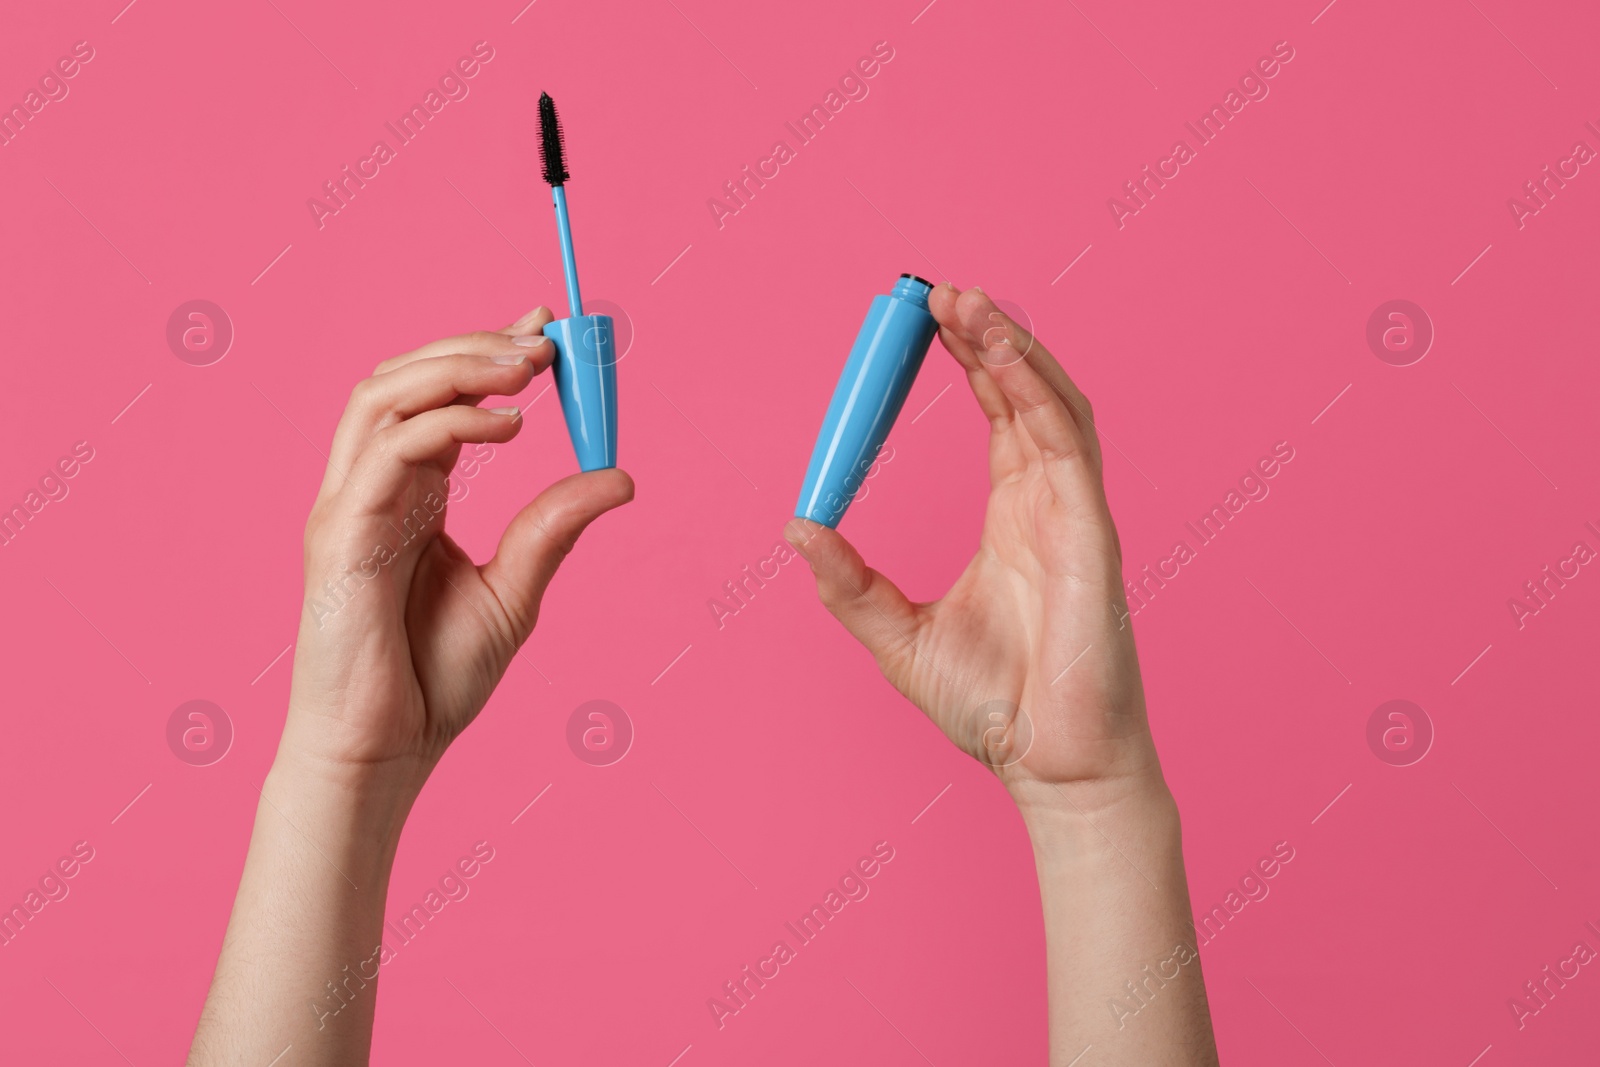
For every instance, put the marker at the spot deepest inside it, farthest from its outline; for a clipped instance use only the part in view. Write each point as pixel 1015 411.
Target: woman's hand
pixel 1028 662
pixel 403 637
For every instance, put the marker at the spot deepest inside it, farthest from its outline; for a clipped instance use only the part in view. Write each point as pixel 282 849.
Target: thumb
pixel 541 535
pixel 869 605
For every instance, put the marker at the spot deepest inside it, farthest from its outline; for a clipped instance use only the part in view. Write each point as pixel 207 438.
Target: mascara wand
pixel 585 366
pixel 552 153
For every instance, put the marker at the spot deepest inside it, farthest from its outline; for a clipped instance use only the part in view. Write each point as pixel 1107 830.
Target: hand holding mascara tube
pixel 1027 663
pixel 586 355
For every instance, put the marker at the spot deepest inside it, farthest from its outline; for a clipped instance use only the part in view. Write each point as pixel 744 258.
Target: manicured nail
pixel 979 289
pixel 513 412
pixel 530 316
pixel 530 340
pixel 512 359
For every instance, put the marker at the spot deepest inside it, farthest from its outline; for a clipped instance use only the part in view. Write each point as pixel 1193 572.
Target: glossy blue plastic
pixel 569 258
pixel 872 389
pixel 586 380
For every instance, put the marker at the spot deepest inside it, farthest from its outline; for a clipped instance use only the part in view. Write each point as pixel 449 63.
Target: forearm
pixel 1124 969
pixel 300 959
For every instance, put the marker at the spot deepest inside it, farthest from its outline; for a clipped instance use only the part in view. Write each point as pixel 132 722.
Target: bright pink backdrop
pixel 1221 319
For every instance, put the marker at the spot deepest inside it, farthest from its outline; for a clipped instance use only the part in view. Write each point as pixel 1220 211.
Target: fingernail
pixel 530 316
pixel 513 359
pixel 979 289
pixel 529 340
pixel 513 412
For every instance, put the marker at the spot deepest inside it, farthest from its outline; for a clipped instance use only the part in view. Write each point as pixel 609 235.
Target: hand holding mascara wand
pixel 586 362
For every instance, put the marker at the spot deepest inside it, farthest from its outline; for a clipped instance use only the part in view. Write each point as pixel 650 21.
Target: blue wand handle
pixel 569 262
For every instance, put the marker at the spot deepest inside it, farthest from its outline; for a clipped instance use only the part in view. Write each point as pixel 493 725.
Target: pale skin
pixel 386 675
pixel 1028 664
pixel 403 639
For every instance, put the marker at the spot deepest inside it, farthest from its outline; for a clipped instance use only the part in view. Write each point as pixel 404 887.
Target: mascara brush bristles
pixel 552 147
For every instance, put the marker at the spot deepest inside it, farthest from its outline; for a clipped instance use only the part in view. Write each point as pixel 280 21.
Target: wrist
pixel 356 807
pixel 1070 820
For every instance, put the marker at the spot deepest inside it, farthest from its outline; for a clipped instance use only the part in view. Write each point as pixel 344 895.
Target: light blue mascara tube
pixel 872 389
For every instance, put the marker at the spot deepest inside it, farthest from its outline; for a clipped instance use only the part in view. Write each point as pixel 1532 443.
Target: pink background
pixel 1223 318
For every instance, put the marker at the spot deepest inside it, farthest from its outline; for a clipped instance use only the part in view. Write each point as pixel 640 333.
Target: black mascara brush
pixel 552 153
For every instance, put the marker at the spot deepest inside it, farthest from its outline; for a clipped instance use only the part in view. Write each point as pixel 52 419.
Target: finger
pixel 532 322
pixel 541 536
pixel 869 605
pixel 991 332
pixel 1070 465
pixel 385 399
pixel 385 467
pixel 1006 453
pixel 529 325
